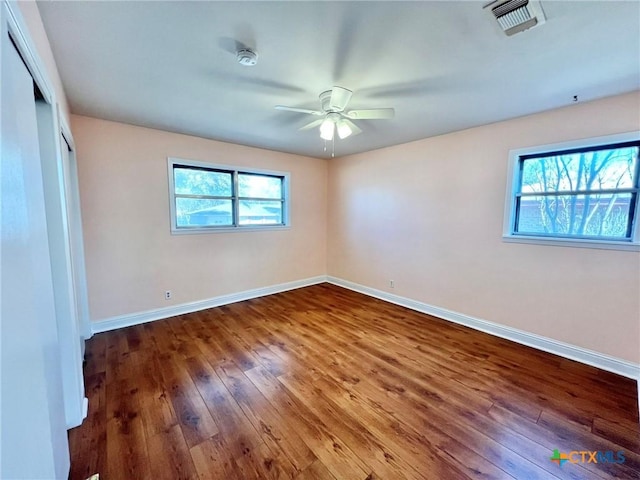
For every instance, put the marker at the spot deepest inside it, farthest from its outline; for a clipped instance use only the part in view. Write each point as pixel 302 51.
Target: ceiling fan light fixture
pixel 327 129
pixel 344 130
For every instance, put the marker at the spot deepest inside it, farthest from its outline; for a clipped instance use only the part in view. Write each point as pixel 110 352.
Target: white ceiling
pixel 443 66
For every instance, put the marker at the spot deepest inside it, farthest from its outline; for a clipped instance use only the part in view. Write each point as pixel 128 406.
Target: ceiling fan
pixel 334 115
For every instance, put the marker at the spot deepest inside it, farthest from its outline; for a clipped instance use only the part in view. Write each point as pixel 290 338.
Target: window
pixel 208 198
pixel 584 193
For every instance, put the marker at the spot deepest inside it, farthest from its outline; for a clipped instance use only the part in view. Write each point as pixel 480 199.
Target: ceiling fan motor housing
pixel 325 101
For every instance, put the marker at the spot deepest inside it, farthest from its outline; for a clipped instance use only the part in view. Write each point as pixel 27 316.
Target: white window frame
pixel 235 170
pixel 508 234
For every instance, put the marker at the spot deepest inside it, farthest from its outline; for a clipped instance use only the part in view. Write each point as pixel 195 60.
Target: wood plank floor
pixel 325 383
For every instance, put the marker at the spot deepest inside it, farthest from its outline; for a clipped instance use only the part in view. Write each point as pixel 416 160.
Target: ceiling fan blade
pixel 355 130
pixel 371 114
pixel 298 110
pixel 339 98
pixel 311 125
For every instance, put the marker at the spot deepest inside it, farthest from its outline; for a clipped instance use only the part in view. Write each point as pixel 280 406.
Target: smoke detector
pixel 247 57
pixel 515 16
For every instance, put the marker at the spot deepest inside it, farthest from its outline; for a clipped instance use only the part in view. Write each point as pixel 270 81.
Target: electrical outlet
pixel 392 284
pixel 167 295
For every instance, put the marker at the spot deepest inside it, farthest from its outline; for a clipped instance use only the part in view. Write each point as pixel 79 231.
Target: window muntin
pixel 578 193
pixel 208 198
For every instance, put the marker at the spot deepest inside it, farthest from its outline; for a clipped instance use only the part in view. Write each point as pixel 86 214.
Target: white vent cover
pixel 516 16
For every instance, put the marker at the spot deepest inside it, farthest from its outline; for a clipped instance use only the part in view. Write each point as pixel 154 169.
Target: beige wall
pixel 131 256
pixel 428 214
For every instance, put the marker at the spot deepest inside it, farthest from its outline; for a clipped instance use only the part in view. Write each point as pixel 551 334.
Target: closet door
pixel 33 433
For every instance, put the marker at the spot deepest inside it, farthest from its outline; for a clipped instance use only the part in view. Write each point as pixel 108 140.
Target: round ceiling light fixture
pixel 247 57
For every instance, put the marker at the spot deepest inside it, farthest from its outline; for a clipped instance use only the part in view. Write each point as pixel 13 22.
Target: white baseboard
pixel 129 320
pixel 572 352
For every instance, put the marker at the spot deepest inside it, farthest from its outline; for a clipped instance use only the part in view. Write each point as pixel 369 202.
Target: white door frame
pixel 72 189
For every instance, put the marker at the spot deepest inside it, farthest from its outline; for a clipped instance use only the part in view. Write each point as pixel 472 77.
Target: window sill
pixel 573 242
pixel 191 231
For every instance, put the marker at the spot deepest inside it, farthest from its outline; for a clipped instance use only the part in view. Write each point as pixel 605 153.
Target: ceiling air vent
pixel 516 16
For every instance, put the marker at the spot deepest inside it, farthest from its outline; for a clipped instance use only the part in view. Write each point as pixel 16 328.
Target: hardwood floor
pixel 325 383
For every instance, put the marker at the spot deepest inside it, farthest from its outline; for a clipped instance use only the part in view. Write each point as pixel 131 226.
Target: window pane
pixel 600 215
pixel 190 181
pixel 254 212
pixel 195 212
pixel 595 170
pixel 259 186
